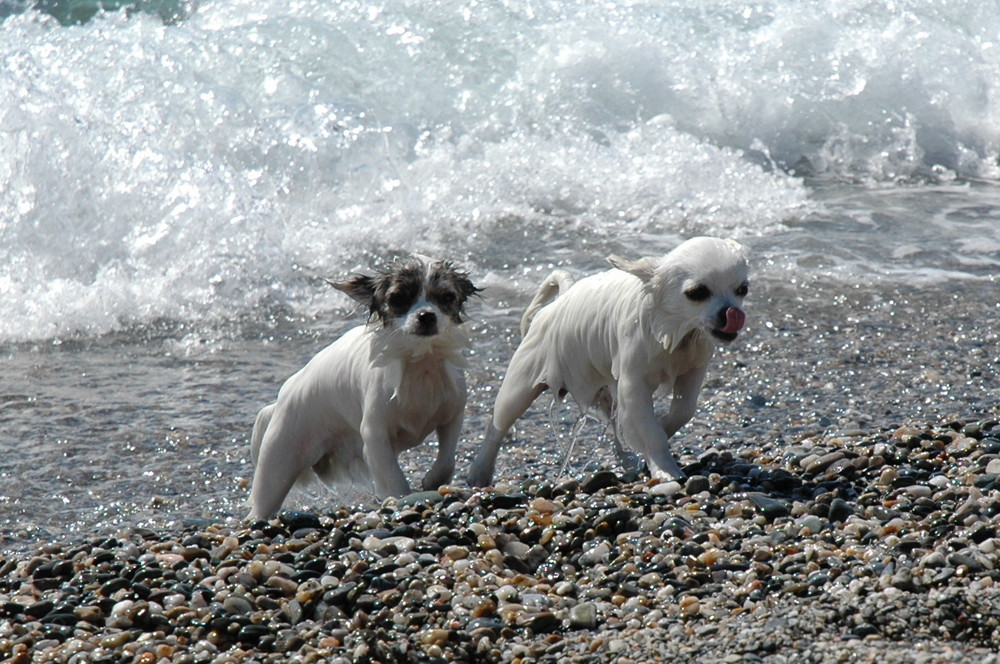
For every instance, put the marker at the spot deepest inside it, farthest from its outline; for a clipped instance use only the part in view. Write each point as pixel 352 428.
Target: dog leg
pixel 380 456
pixel 276 470
pixel 639 426
pixel 259 428
pixel 444 465
pixel 629 460
pixel 682 409
pixel 684 401
pixel 481 471
pixel 513 399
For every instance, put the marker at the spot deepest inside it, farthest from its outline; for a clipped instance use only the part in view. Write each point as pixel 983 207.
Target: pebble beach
pixel 856 547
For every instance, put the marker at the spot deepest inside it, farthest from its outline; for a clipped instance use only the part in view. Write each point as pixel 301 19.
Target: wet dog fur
pixel 380 389
pixel 614 339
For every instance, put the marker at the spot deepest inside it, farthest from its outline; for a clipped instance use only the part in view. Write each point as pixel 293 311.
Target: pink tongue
pixel 734 320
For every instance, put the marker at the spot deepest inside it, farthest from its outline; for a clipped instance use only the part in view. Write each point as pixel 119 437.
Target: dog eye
pixel 698 293
pixel 743 289
pixel 397 299
pixel 446 298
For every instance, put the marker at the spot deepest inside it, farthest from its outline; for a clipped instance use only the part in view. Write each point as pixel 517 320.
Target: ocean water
pixel 177 178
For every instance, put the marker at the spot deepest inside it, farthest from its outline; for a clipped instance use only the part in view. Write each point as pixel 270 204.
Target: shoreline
pixel 817 358
pixel 836 547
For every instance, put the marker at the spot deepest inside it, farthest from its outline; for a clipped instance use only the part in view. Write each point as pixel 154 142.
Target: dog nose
pixel 426 322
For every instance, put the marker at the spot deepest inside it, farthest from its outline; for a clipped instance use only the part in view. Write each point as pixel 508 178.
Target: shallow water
pixel 107 433
pixel 171 195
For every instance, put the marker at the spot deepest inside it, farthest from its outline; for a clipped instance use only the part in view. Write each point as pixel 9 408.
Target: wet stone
pixel 491 624
pixel 253 634
pixel 752 558
pixel 840 510
pixel 67 619
pixel 540 622
pixel 53 569
pixel 504 501
pixel 819 464
pixel 614 521
pixel 666 489
pixel 602 479
pixel 295 521
pixel 238 605
pixel 969 562
pixel 420 498
pixel 770 508
pixel 990 445
pixel 583 616
pixel 986 481
pixel 903 580
pixel 696 484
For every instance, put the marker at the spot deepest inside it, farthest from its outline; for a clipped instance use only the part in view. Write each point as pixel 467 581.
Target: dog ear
pixel 459 277
pixel 465 284
pixel 644 268
pixel 360 287
pixel 468 288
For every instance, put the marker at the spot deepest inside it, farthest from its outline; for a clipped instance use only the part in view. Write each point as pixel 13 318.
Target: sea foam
pixel 204 169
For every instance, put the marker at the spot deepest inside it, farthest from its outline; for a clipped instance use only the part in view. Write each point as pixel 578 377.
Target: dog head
pixel 699 286
pixel 417 296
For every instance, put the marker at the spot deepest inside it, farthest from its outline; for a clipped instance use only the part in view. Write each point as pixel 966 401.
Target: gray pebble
pixel 583 616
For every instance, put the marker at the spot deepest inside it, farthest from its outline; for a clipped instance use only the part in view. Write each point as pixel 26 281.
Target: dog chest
pixel 665 365
pixel 429 394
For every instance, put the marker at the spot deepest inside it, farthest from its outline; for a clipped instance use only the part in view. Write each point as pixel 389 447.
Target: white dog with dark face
pixel 612 340
pixel 378 390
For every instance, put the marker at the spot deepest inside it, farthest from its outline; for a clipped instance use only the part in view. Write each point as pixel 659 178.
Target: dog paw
pixel 435 477
pixel 631 462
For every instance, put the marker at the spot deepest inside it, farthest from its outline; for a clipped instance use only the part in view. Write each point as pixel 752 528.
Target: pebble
pixel 696 484
pixel 883 549
pixel 583 616
pixel 665 489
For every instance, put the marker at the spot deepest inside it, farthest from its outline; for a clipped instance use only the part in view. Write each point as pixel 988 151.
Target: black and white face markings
pixel 397 290
pixel 410 294
pixel 449 289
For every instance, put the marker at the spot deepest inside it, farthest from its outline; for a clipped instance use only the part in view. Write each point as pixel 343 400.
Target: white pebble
pixel 665 488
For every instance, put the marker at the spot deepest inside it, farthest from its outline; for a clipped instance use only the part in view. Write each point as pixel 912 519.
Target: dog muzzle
pixel 735 318
pixel 731 321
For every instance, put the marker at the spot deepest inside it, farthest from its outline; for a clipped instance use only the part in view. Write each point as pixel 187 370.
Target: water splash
pixel 217 165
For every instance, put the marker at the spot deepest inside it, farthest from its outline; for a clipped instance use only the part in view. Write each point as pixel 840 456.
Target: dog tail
pixel 553 286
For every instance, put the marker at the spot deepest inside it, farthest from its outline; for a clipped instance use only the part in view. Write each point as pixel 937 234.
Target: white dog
pixel 378 390
pixel 612 340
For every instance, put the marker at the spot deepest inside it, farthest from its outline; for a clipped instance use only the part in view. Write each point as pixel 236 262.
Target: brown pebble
pixel 286 586
pixel 485 608
pixel 543 506
pixel 435 637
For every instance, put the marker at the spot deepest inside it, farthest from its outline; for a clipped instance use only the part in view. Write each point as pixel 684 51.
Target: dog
pixel 612 340
pixel 378 390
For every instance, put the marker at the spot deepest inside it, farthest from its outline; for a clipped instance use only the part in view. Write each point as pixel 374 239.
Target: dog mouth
pixel 731 321
pixel 726 337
